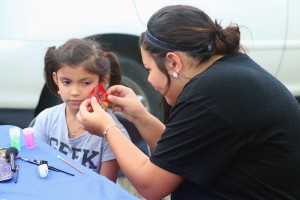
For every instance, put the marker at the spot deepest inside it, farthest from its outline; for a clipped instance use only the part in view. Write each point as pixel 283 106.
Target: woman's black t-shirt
pixel 234 133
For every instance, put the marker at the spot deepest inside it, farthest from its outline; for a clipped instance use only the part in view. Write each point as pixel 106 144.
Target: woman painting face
pixel 158 79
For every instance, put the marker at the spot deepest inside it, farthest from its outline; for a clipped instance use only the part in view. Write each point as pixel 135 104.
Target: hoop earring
pixel 175 75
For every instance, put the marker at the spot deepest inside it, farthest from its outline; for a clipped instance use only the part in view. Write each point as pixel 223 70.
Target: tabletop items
pixel 43 169
pixel 70 164
pixel 14 134
pixel 77 186
pixel 29 137
pixel 36 162
pixel 16 174
pixel 5 170
pixel 9 169
pixel 10 155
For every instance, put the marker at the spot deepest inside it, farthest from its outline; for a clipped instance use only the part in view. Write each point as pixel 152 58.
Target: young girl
pixel 72 71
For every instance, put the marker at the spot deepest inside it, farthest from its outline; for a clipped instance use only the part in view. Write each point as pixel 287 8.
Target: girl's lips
pixel 75 102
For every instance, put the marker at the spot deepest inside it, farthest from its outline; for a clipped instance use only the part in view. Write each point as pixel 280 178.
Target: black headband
pixel 167 46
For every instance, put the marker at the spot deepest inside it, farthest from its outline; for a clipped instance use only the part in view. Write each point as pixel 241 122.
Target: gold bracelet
pixel 105 131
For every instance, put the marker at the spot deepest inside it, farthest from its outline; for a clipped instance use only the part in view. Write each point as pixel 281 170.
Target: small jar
pixel 43 169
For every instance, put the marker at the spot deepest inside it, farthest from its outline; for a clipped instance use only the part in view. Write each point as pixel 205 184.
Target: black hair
pixel 190 30
pixel 84 52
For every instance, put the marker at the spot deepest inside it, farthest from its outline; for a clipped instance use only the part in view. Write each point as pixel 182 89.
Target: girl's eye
pixel 86 83
pixel 65 82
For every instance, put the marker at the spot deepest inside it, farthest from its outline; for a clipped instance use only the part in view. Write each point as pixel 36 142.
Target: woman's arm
pixel 150 128
pixel 150 180
pixel 125 100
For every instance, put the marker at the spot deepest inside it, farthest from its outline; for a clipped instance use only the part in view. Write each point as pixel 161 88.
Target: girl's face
pixel 74 84
pixel 158 79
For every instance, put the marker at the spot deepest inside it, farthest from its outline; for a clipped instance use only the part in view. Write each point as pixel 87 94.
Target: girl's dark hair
pixel 84 52
pixel 186 27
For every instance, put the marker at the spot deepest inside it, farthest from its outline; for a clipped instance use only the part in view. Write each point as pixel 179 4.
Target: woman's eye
pixel 147 70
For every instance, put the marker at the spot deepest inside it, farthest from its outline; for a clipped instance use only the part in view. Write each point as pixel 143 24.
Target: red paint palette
pixel 100 93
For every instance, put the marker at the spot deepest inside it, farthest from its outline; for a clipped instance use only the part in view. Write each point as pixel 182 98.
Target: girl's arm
pixel 110 169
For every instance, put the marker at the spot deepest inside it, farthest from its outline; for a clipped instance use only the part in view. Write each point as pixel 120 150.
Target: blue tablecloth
pixel 57 185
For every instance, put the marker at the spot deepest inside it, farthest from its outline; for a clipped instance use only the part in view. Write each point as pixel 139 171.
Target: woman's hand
pixel 125 100
pixel 93 118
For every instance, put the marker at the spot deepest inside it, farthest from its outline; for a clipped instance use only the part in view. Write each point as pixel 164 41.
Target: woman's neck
pixel 205 65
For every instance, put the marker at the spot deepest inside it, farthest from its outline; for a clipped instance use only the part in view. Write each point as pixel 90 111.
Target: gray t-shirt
pixel 89 150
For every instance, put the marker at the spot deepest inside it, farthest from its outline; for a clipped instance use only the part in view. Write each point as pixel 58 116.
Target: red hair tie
pixel 105 54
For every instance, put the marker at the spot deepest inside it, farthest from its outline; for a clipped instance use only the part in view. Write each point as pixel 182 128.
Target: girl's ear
pixel 54 77
pixel 105 81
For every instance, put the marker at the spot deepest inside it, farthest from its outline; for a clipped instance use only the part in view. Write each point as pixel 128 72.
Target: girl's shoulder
pixel 58 110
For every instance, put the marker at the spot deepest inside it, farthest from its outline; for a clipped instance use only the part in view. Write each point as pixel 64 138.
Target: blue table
pixel 57 185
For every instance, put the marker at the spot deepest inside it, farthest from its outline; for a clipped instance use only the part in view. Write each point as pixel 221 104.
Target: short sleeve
pixel 39 128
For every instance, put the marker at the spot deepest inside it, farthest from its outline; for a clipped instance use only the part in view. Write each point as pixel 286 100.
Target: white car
pixel 270 31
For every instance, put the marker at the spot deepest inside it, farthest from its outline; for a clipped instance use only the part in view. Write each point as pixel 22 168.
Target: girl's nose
pixel 75 90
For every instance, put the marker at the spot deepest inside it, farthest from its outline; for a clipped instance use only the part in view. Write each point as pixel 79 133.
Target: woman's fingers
pixel 117 90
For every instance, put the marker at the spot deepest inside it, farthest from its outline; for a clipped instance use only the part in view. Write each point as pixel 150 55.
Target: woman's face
pixel 158 79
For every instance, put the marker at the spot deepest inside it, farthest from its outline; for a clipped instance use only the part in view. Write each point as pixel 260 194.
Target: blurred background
pixel 270 31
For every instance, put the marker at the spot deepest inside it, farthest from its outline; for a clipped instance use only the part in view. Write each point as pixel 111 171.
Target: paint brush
pixel 65 161
pixel 35 162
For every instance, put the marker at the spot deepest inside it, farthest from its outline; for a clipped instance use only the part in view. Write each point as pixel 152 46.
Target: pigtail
pixel 50 66
pixel 115 68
